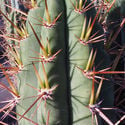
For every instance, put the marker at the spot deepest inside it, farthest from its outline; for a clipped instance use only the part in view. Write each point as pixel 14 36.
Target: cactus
pixel 58 64
pixel 116 39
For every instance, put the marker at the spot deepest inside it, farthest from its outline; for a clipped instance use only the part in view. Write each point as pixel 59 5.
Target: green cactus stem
pixel 64 38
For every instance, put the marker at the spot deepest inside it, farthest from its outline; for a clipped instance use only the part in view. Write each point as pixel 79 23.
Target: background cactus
pixel 63 44
pixel 115 40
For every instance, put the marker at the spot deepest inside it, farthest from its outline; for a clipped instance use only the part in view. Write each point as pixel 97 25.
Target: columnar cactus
pixel 73 92
pixel 59 62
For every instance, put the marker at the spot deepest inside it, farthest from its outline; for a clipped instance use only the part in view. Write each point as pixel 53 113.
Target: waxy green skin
pixel 71 97
pixel 27 76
